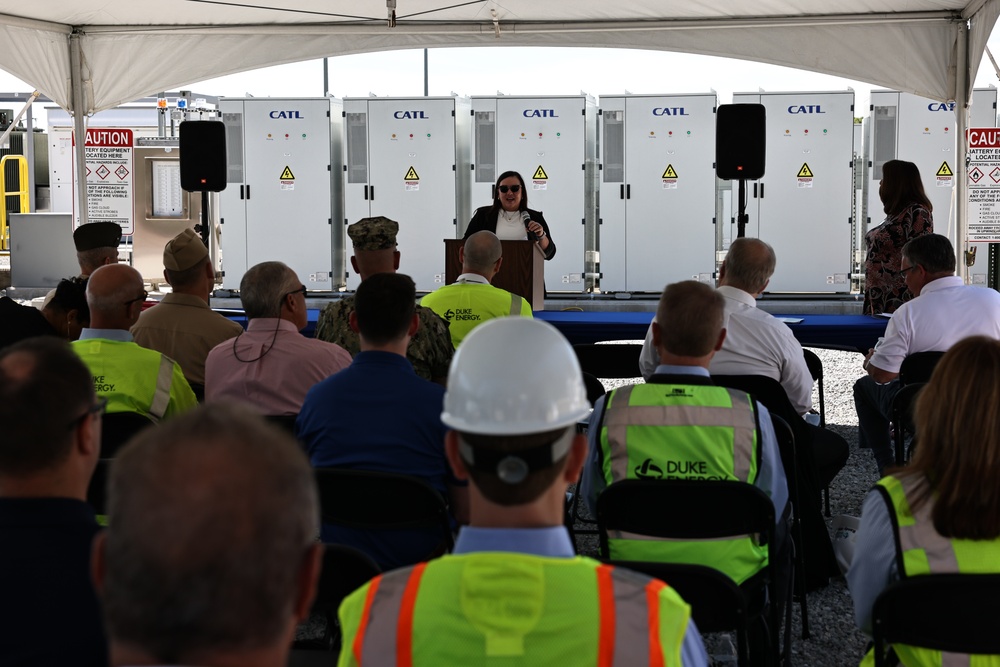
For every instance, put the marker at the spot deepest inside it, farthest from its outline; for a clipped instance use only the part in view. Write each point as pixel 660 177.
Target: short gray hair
pixel 93 259
pixel 108 298
pixel 749 264
pixel 263 286
pixel 212 514
pixel 482 250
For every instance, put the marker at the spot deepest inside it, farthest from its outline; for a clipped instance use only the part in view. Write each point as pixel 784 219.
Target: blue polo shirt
pixel 378 414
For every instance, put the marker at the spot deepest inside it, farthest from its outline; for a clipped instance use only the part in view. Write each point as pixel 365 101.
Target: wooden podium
pixel 522 271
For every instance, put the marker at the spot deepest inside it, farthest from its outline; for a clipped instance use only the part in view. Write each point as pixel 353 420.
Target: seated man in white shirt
pixel 943 312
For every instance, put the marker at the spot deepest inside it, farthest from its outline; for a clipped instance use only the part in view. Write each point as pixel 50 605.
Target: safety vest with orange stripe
pixel 672 431
pixel 530 610
pixel 923 550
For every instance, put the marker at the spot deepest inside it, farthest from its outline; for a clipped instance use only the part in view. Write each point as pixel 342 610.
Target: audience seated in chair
pixel 132 378
pixel 514 580
pixel 210 555
pixel 271 366
pixel 49 448
pixel 378 415
pixel 940 514
pixel 182 325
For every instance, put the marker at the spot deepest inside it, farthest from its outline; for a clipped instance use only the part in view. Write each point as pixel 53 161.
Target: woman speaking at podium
pixel 510 218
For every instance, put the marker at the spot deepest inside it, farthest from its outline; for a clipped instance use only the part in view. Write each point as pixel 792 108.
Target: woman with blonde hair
pixel 941 513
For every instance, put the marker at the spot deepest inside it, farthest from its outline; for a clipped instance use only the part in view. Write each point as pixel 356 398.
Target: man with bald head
pixel 211 556
pixel 472 300
pixel 430 349
pixel 130 377
pixel 50 445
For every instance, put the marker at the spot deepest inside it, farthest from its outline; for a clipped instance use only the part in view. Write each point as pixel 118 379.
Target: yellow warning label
pixel 540 174
pixel 945 170
pixel 805 171
pixel 411 175
pixel 287 175
pixel 669 172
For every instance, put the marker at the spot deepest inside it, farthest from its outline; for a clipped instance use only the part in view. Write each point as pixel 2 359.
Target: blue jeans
pixel 873 403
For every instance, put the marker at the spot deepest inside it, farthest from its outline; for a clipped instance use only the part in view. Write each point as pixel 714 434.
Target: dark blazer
pixel 483 219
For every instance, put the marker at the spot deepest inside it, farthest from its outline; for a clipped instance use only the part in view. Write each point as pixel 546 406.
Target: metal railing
pixel 22 194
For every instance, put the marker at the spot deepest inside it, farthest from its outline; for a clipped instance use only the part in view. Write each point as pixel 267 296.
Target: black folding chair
pixel 345 569
pixel 382 501
pixel 802 472
pixel 954 613
pixel 717 603
pixel 696 510
pixel 609 361
pixel 917 367
pixel 815 366
pixel 902 419
pixel 117 428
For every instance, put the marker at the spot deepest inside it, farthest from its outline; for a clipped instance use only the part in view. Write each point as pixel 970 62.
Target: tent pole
pixel 962 93
pixel 79 123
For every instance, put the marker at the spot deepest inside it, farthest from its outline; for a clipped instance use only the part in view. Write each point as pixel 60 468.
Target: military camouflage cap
pixel 377 233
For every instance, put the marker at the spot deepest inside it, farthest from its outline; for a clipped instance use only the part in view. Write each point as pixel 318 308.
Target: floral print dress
pixel 885 289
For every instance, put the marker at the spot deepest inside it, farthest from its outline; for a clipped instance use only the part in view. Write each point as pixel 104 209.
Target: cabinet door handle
pixel 366 193
pixel 248 192
pixel 621 194
pixel 628 191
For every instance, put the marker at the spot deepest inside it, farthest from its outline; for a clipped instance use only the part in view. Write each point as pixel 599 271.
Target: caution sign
pixel 945 175
pixel 984 184
pixel 669 178
pixel 411 175
pixel 540 174
pixel 109 186
pixel 804 179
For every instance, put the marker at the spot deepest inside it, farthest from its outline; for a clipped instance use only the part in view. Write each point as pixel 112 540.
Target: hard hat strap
pixel 513 467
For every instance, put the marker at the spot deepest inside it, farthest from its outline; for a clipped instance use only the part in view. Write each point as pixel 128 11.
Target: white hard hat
pixel 514 376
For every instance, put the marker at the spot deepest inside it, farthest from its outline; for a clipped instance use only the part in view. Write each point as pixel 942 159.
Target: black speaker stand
pixel 742 218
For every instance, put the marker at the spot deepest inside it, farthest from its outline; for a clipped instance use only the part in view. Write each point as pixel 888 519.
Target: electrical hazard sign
pixel 669 178
pixel 944 170
pixel 669 172
pixel 540 174
pixel 411 175
pixel 804 179
pixel 287 174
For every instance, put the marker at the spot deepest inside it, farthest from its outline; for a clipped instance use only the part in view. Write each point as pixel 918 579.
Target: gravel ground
pixel 834 640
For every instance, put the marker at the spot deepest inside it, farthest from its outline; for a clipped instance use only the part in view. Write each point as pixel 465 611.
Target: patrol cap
pixel 95 235
pixel 378 233
pixel 184 251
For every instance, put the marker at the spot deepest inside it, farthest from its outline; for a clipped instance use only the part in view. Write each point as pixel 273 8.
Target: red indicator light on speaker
pixel 204 180
pixel 739 167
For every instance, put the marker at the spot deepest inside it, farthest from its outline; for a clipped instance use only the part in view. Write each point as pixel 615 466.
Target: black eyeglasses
pixel 513 188
pixel 98 408
pixel 138 298
pixel 301 290
pixel 902 272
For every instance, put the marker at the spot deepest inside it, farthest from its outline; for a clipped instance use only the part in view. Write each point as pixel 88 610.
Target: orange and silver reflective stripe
pixel 629 607
pixel 385 636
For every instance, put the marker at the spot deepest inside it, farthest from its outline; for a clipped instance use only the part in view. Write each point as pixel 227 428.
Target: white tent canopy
pixel 92 55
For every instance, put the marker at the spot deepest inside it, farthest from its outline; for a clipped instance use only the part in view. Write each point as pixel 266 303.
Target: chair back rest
pixel 903 403
pixel 772 396
pixel 98 488
pixel 609 361
pixel 595 388
pixel 944 612
pixel 685 510
pixel 380 501
pixel 345 569
pixel 814 364
pixel 117 428
pixel 917 367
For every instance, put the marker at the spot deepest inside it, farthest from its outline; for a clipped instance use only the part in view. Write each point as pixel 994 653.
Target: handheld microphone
pixel 526 218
